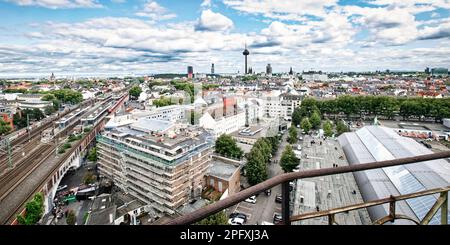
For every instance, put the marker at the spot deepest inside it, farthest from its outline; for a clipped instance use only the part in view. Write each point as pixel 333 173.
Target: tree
pixel 68 96
pixel 308 106
pixel 315 120
pixel 226 146
pixel 37 114
pixel 296 116
pixel 163 101
pixel 34 210
pixel 135 91
pixel 89 178
pixel 292 139
pixel 71 218
pixel 306 125
pixel 328 128
pixel 341 127
pixel 263 145
pixel 49 110
pixel 274 143
pixel 48 97
pixel 4 127
pixel 56 104
pixel 256 167
pixel 92 156
pixel 219 218
pixel 288 160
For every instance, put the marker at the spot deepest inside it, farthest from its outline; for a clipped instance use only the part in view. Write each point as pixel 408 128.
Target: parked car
pixel 279 198
pixel 299 147
pixel 251 199
pixel 239 215
pixel 277 218
pixel 236 221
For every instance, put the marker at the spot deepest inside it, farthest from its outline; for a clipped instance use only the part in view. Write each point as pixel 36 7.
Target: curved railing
pixel 284 179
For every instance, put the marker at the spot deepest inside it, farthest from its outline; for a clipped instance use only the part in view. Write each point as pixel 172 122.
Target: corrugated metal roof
pixel 375 143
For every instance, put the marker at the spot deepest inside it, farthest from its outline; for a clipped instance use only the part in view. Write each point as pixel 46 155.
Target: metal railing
pixel 284 180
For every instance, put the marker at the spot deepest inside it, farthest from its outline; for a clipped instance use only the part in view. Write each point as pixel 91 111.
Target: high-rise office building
pixel 269 69
pixel 212 68
pixel 190 72
pixel 443 72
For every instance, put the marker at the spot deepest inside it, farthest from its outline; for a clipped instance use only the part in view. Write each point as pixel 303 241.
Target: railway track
pixel 33 140
pixel 29 163
pixel 40 128
pixel 26 167
pixel 20 206
pixel 11 179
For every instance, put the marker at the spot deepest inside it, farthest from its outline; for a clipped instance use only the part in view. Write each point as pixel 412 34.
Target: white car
pixel 236 221
pixel 251 199
pixel 299 147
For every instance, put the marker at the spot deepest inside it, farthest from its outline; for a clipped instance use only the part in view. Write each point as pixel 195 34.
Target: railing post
pixel 444 208
pixel 331 220
pixel 285 212
pixel 392 208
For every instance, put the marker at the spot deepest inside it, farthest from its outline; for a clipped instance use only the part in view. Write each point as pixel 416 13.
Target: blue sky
pixel 157 36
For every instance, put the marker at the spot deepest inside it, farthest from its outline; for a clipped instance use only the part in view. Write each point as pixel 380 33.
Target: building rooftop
pixel 375 143
pixel 222 170
pixel 327 192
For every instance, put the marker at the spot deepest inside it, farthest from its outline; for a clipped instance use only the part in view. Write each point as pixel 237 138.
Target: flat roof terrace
pixel 327 192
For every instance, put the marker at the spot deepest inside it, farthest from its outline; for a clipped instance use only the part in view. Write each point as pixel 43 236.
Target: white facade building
pixel 224 125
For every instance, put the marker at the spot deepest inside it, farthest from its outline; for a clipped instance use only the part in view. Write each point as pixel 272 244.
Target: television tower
pixel 246 53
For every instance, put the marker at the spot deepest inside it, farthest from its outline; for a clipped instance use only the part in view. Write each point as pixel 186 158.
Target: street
pixel 265 206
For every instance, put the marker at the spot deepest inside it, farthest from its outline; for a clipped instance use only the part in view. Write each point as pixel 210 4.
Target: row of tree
pixel 67 96
pixel 382 106
pixel 135 92
pixel 20 119
pixel 257 159
pixel 34 210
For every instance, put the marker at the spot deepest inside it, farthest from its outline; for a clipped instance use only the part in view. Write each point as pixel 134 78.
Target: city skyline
pixel 148 37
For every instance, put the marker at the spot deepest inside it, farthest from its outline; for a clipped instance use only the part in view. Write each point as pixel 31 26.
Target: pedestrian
pixel 317 208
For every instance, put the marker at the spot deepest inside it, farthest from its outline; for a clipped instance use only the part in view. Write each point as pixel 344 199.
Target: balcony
pixel 284 179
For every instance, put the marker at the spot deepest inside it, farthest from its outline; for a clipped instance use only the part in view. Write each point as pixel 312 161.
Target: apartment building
pixel 161 163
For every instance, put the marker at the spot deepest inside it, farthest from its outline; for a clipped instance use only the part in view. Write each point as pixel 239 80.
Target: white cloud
pixel 154 11
pixel 59 4
pixel 330 42
pixel 415 6
pixel 210 21
pixel 286 9
pixel 206 4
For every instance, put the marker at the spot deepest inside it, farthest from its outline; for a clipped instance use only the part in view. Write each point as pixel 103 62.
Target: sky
pixel 125 37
